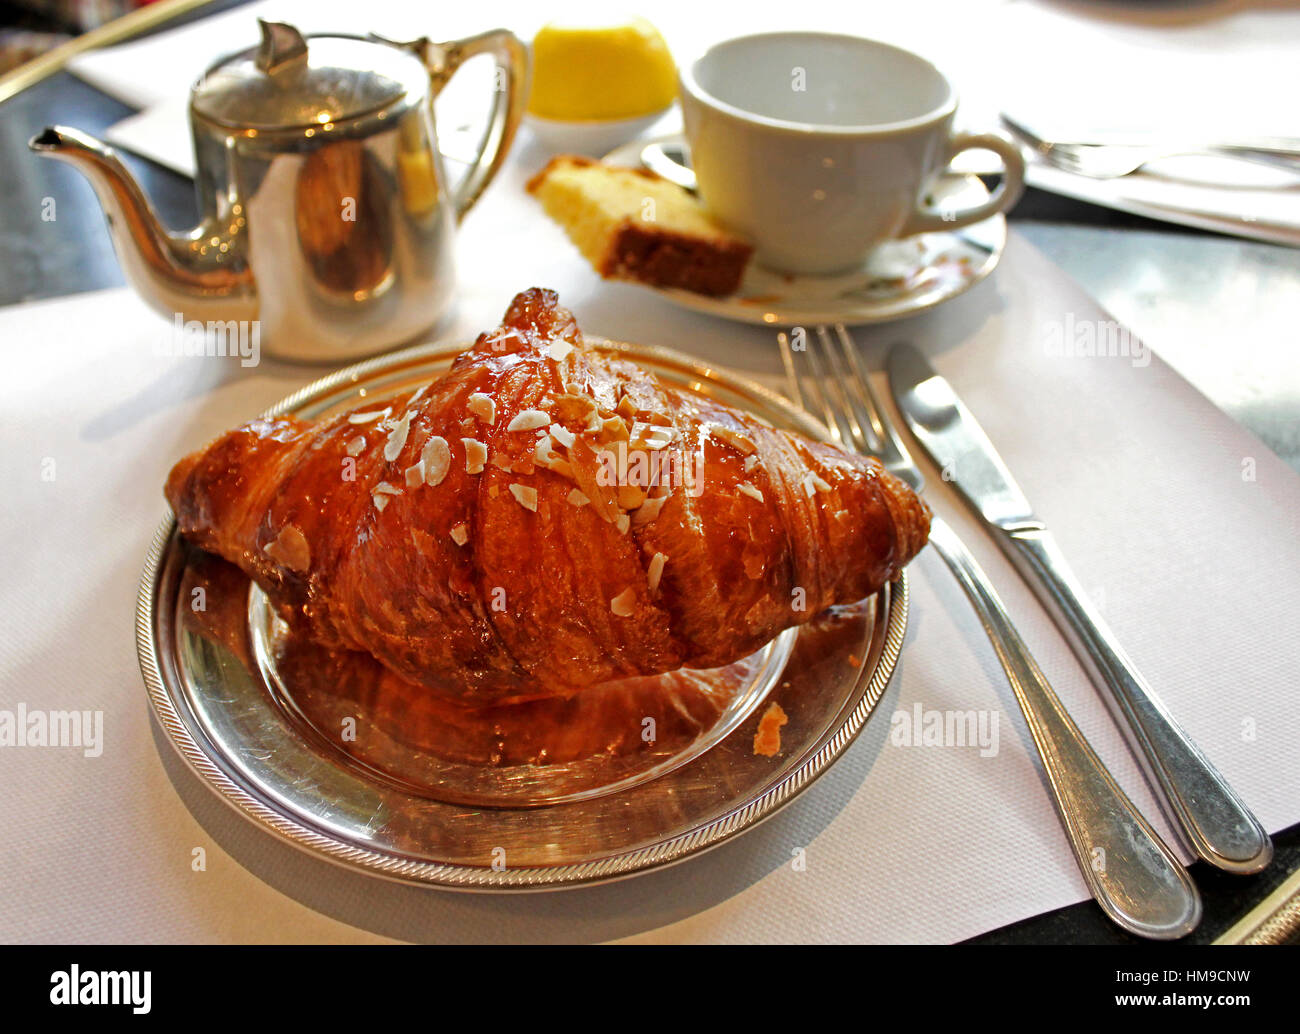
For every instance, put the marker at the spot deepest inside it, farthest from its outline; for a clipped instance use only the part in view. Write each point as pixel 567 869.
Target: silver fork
pixel 1114 160
pixel 1130 871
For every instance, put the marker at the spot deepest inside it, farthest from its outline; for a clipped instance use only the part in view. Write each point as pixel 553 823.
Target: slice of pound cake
pixel 632 224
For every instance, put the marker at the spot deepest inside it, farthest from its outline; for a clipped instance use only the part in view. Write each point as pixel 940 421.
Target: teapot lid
pixel 286 83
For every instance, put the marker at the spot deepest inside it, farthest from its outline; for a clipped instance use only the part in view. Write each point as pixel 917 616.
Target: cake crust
pixel 632 224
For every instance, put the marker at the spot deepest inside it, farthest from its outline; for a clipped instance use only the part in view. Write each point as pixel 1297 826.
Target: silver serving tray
pixel 227 716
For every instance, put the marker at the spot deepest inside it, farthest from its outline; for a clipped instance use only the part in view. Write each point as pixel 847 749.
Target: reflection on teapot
pixel 343 228
pixel 326 213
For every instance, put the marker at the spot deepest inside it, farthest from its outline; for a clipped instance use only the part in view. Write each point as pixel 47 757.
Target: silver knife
pixel 1219 826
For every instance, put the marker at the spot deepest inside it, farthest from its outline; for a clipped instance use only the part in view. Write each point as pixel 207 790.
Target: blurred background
pixel 28 28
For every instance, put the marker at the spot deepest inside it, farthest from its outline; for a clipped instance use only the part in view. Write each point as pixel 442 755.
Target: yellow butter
pixel 598 73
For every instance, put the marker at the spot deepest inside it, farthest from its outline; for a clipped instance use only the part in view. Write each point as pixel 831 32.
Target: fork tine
pixel 846 408
pixel 834 414
pixel 1024 132
pixel 803 387
pixel 864 396
pixel 888 446
pixel 791 376
pixel 811 391
pixel 848 382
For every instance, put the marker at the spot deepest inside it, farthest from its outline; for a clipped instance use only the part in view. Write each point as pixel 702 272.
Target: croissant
pixel 542 518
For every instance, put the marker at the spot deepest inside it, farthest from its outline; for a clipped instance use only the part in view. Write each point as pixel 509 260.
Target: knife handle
pixel 1131 873
pixel 1221 829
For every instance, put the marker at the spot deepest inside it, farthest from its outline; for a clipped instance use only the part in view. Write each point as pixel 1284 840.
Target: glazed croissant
pixel 542 518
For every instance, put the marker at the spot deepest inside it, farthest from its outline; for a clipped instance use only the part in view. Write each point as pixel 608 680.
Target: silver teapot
pixel 327 219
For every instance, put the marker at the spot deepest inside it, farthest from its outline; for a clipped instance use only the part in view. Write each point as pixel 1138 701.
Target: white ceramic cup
pixel 819 147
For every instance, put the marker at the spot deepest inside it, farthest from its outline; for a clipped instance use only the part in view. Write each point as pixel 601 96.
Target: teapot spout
pixel 190 273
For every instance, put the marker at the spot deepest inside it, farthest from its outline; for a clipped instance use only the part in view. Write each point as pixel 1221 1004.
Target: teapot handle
pixel 509 96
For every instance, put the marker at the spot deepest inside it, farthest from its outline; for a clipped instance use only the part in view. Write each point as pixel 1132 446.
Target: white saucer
pixel 898 279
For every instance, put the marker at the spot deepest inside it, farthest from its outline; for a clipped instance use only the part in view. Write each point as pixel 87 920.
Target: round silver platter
pixel 226 709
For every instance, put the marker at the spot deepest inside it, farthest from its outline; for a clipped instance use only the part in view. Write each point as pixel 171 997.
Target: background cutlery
pixel 1101 160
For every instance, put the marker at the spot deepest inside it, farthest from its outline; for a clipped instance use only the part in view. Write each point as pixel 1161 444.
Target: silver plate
pixel 227 710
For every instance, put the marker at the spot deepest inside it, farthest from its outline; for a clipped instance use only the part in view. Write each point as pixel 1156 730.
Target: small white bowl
pixel 593 139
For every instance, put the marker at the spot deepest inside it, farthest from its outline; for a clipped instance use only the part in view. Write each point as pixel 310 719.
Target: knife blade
pixel 1216 822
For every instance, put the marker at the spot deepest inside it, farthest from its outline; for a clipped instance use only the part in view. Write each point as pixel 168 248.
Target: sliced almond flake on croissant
pixel 577 498
pixel 436 458
pixel 397 439
pixel 365 418
pixel 652 436
pixel 735 439
pixel 529 420
pixel 604 499
pixel 751 462
pixel 476 454
pixel 356 446
pixel 543 453
pixel 746 488
pixel 559 350
pixel 380 501
pixel 290 549
pixel 614 429
pixel 525 496
pixel 384 488
pixel 459 535
pixel 415 475
pixel 648 511
pixel 656 417
pixel 812 483
pixel 484 407
pixel 622 522
pixel 563 435
pixel 624 604
pixel 655 571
